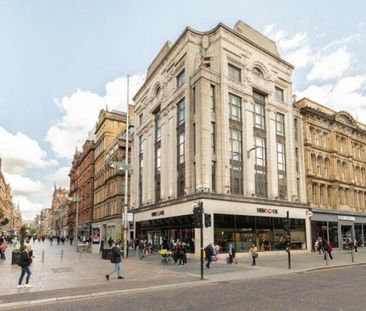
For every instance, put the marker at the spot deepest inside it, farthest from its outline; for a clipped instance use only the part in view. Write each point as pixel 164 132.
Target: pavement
pixel 65 274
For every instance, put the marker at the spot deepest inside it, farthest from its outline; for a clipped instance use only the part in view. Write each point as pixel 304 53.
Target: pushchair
pixel 166 257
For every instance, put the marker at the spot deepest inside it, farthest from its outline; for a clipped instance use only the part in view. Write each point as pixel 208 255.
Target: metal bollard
pixel 62 255
pixel 353 254
pixel 326 258
pixel 42 255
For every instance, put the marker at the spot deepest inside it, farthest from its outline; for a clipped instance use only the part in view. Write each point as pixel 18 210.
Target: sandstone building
pixel 215 122
pixel 335 163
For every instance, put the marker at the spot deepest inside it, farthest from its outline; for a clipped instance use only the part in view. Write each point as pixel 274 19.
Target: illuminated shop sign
pixel 157 213
pixel 267 210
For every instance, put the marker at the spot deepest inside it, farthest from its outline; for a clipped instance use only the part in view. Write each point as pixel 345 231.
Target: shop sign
pixel 267 210
pixel 349 218
pixel 157 213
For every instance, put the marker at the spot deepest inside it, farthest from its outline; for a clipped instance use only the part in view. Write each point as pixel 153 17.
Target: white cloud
pixel 28 208
pixel 80 113
pixel 19 152
pixel 330 66
pixel 61 177
pixel 25 186
pixel 345 94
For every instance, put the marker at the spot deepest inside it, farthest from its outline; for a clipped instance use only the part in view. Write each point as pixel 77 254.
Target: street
pixel 335 289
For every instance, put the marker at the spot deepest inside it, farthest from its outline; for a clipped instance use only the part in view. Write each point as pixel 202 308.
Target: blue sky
pixel 61 61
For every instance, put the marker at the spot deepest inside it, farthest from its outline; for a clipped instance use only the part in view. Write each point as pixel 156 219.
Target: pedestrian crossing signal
pixel 207 220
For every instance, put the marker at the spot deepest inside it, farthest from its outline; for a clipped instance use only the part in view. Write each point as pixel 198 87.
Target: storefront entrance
pixel 346 235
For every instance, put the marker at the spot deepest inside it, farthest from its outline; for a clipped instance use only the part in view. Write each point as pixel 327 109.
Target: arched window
pixel 313 163
pixel 258 72
pixel 326 167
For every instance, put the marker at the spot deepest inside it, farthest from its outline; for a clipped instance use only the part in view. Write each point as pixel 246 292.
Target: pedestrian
pixel 3 247
pixel 24 262
pixel 253 250
pixel 232 254
pixel 116 261
pixel 51 240
pixel 355 244
pixel 329 250
pixel 209 251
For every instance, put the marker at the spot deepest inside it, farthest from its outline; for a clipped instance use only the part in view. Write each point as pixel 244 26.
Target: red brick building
pixel 82 186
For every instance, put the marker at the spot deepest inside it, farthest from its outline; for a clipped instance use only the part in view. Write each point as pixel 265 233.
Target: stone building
pixel 335 163
pixel 58 212
pixel 107 202
pixel 215 122
pixel 82 190
pixel 6 205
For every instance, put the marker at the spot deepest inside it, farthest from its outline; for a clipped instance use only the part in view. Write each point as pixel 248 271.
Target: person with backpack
pixel 209 251
pixel 24 262
pixel 116 261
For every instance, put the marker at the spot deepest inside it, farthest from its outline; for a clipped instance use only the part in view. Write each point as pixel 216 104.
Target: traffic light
pixel 286 224
pixel 197 216
pixel 207 220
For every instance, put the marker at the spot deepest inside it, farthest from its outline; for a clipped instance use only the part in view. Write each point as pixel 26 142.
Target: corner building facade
pixel 215 122
pixel 335 162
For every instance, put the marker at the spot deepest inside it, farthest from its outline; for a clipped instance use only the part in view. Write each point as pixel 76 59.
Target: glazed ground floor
pixel 337 227
pixel 236 224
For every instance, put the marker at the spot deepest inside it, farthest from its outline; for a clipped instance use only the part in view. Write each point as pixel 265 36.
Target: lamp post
pixel 76 199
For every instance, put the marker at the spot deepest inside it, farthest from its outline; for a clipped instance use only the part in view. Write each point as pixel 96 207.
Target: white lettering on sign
pixel 267 210
pixel 350 218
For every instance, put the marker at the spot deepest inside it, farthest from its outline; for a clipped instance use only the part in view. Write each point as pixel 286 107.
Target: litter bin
pixel 107 253
pixel 15 256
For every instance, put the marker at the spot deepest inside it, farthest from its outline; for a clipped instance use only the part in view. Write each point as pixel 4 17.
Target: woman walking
pixel 24 262
pixel 116 260
pixel 253 251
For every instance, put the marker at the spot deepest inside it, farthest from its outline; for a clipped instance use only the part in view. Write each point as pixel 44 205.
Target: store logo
pixel 267 210
pixel 157 213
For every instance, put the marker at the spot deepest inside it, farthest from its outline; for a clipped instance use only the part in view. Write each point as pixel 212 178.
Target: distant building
pixel 58 212
pixel 82 189
pixel 107 197
pixel 335 163
pixel 215 122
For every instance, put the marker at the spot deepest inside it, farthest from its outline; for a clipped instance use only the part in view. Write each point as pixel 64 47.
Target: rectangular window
pixel 234 73
pixel 181 112
pixel 213 137
pixel 235 145
pixel 158 160
pixel 141 119
pixel 194 100
pixel 281 157
pixel 157 126
pixel 259 116
pixel 213 179
pixel 296 130
pixel 260 151
pixel 279 94
pixel 280 124
pixel 236 179
pixel 194 138
pixel 181 78
pixel 181 147
pixel 260 183
pixel 212 98
pixel 235 107
pixel 282 186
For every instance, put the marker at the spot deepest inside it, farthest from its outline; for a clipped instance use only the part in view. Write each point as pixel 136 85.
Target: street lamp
pixel 76 199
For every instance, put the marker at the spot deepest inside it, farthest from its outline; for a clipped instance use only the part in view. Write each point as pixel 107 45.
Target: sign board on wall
pixel 348 218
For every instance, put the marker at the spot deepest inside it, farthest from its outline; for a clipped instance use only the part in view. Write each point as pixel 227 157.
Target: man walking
pixel 116 261
pixel 209 253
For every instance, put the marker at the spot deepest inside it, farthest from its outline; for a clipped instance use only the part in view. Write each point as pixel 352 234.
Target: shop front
pixel 338 228
pixel 236 224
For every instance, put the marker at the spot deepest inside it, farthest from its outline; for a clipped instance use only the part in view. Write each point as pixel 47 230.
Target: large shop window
pixel 160 231
pixel 266 232
pixel 325 230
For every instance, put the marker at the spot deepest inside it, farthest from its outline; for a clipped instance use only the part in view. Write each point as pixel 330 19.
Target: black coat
pixel 116 255
pixel 24 260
